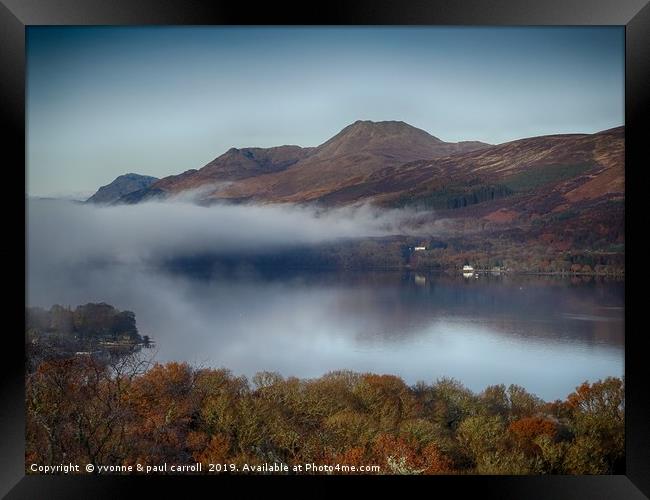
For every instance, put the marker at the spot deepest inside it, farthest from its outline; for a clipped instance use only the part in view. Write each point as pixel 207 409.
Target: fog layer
pixel 63 233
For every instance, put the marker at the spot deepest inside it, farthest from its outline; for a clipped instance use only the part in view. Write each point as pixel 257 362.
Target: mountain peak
pixel 381 122
pixel 384 125
pixel 121 186
pixel 131 176
pixel 389 138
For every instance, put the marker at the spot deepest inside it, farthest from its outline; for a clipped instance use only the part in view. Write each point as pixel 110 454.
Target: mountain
pixel 121 186
pixel 391 139
pixel 381 163
pixel 292 173
pixel 553 203
pixel 564 190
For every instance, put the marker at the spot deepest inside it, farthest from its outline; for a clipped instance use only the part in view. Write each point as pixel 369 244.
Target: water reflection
pixel 545 333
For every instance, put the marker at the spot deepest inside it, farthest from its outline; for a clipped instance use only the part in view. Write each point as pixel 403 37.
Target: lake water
pixel 547 334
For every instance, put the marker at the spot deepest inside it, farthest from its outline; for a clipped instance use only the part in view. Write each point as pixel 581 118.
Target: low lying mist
pixel 64 232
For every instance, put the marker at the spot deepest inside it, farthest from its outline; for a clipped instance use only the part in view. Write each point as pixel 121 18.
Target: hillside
pixel 565 191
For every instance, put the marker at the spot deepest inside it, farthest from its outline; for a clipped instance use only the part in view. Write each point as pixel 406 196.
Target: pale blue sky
pixel 103 101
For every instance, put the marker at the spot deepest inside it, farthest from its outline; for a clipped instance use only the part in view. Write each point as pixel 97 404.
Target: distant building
pixel 468 271
pixel 417 249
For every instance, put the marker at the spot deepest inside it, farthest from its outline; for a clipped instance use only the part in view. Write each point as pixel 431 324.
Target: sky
pixel 104 101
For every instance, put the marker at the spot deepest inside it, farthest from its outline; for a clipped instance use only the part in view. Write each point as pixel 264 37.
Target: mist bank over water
pixel 244 239
pixel 62 232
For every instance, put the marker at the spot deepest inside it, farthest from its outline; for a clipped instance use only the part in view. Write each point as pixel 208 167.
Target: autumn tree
pixel 598 421
pixel 79 408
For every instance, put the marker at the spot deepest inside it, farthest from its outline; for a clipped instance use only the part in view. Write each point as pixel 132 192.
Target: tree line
pixel 130 411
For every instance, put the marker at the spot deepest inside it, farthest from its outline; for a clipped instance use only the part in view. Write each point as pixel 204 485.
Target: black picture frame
pixel 16 15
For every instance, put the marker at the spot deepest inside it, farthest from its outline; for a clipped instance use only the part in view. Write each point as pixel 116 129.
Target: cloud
pixel 68 233
pixel 198 194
